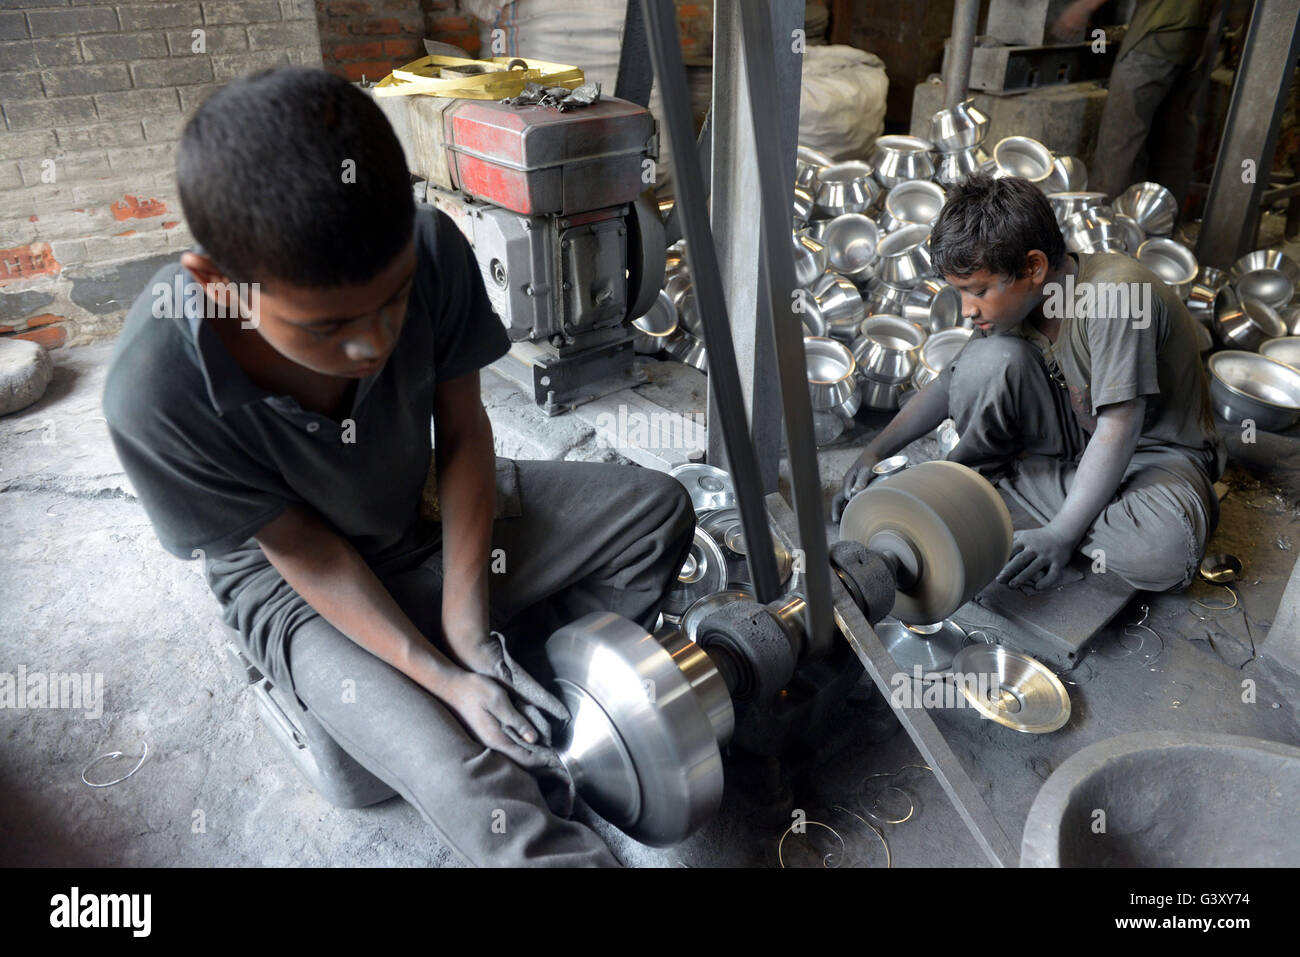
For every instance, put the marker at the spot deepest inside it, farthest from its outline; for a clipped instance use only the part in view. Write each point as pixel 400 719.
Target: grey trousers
pixel 585 537
pixel 1148 126
pixel 1017 427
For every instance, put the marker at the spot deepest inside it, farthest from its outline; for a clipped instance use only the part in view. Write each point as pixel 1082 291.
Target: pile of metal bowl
pixel 716 571
pixel 958 135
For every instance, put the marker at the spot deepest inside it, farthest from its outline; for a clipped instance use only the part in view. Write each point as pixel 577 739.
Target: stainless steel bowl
pixel 675 260
pixel 809 259
pixel 1268 275
pixel 960 128
pixel 706 606
pixel 1246 385
pixel 684 347
pixel 1025 157
pixel 881 297
pixel 709 486
pixel 888 467
pixel 888 348
pixel 726 528
pixel 1101 236
pixel 939 350
pixel 1153 206
pixel 850 242
pixel 904 256
pixel 882 396
pixel 1200 297
pixel 1291 318
pixel 1243 323
pixel 802 205
pixel 703 573
pixel 1073 170
pixel 845 188
pixel 1285 350
pixel 806 165
pixel 914 203
pixel 1171 261
pixel 898 159
pixel 653 329
pixel 958 167
pixel 831 368
pixel 1066 204
pixel 1131 231
pixel 933 305
pixel 839 304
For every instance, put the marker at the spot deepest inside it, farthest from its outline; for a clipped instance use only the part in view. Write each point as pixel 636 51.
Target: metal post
pixel 735 216
pixel 1241 175
pixel 961 47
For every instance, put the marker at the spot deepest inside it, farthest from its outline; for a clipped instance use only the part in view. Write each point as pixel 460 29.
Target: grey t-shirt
pixel 213 458
pixel 1124 334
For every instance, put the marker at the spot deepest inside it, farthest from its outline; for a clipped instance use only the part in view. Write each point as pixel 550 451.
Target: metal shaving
pixel 562 99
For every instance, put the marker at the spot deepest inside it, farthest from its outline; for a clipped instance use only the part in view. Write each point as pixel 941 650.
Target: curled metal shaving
pixel 825 857
pixel 889 856
pixel 110 756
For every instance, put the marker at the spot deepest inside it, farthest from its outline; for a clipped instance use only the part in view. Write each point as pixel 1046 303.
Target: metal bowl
pixel 914 203
pixel 1101 237
pixel 1243 323
pixel 1153 206
pixel 958 167
pixel 888 348
pixel 850 242
pixel 802 205
pixel 653 329
pixel 904 256
pixel 844 188
pixel 1285 350
pixel 1200 297
pixel 1017 691
pixel 898 159
pixel 882 396
pixel 839 304
pixel 675 260
pixel 1025 157
pixel 1246 385
pixel 684 347
pixel 1073 171
pixel 809 259
pixel 706 606
pixel 1291 318
pixel 806 165
pixel 881 297
pixel 1066 204
pixel 709 486
pixel 939 350
pixel 1171 261
pixel 933 305
pixel 1131 231
pixel 962 127
pixel 830 367
pixel 1267 275
pixel 703 573
pixel 810 315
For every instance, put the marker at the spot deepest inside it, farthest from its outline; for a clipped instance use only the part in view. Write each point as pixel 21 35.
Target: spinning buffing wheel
pixel 946 529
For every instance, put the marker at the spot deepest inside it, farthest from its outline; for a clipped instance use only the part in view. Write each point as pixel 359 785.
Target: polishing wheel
pixel 945 527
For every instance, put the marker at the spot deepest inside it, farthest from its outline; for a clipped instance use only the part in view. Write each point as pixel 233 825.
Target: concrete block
pixel 215 40
pixel 33 143
pixel 64 111
pixel 297 33
pixel 13 26
pixel 69 252
pixel 153 16
pixel 102 78
pixel 298 10
pixel 1023 22
pixel 159 129
pixel 49 23
pixel 70 168
pixel 177 71
pixel 135 103
pixel 11 177
pixel 192 96
pixel 241 64
pixel 16 56
pixel 241 11
pixel 20 86
pixel 18 232
pixel 121 133
pixel 105 249
pixel 63 51
pixel 124 46
pixel 137 158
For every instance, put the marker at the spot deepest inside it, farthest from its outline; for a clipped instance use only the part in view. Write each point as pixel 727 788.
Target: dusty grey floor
pixel 85 587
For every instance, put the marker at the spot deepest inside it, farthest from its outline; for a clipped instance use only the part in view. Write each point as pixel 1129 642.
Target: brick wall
pixel 94 95
pixel 370 37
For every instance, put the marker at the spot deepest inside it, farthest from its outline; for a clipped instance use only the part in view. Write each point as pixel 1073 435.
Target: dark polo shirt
pixel 213 458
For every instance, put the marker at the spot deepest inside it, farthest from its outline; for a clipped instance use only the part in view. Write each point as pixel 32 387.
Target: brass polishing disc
pixel 954 520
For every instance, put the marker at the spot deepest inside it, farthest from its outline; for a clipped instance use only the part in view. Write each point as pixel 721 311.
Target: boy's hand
pixel 855 480
pixel 1039 557
pixel 484 706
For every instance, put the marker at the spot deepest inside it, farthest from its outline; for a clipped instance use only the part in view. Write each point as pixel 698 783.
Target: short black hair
pixel 263 176
pixel 992 224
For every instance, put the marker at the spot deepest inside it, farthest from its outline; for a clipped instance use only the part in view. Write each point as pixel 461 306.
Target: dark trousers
pixel 1017 427
pixel 586 537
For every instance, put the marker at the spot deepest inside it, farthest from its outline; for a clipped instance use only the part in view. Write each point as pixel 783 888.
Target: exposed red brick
pixel 44 319
pixel 410 49
pixel 343 8
pixel 129 232
pixel 131 207
pixel 371 69
pixel 358 51
pixel 389 25
pixel 401 4
pixel 51 337
pixel 449 23
pixel 24 262
pixel 170 225
pixel 32 219
pixel 5 330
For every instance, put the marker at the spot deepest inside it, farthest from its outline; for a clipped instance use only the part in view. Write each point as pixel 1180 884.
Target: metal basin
pixel 934 305
pixel 807 163
pixel 1066 204
pixel 1171 261
pixel 850 242
pixel 1172 799
pixel 830 366
pixel 845 188
pixel 960 128
pixel 898 159
pixel 652 329
pixel 1072 172
pixel 802 205
pixel 939 350
pixel 881 396
pixel 1131 231
pixel 809 259
pixel 1025 157
pixel 685 348
pixel 888 348
pixel 881 297
pixel 703 573
pixel 1200 297
pixel 709 487
pixel 1243 323
pixel 1286 350
pixel 958 167
pixel 1247 385
pixel 904 256
pixel 914 203
pixel 1267 275
pixel 839 304
pixel 1151 205
pixel 707 605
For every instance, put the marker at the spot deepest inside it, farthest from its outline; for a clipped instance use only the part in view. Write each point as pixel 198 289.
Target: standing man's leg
pixel 1138 84
pixel 1173 135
